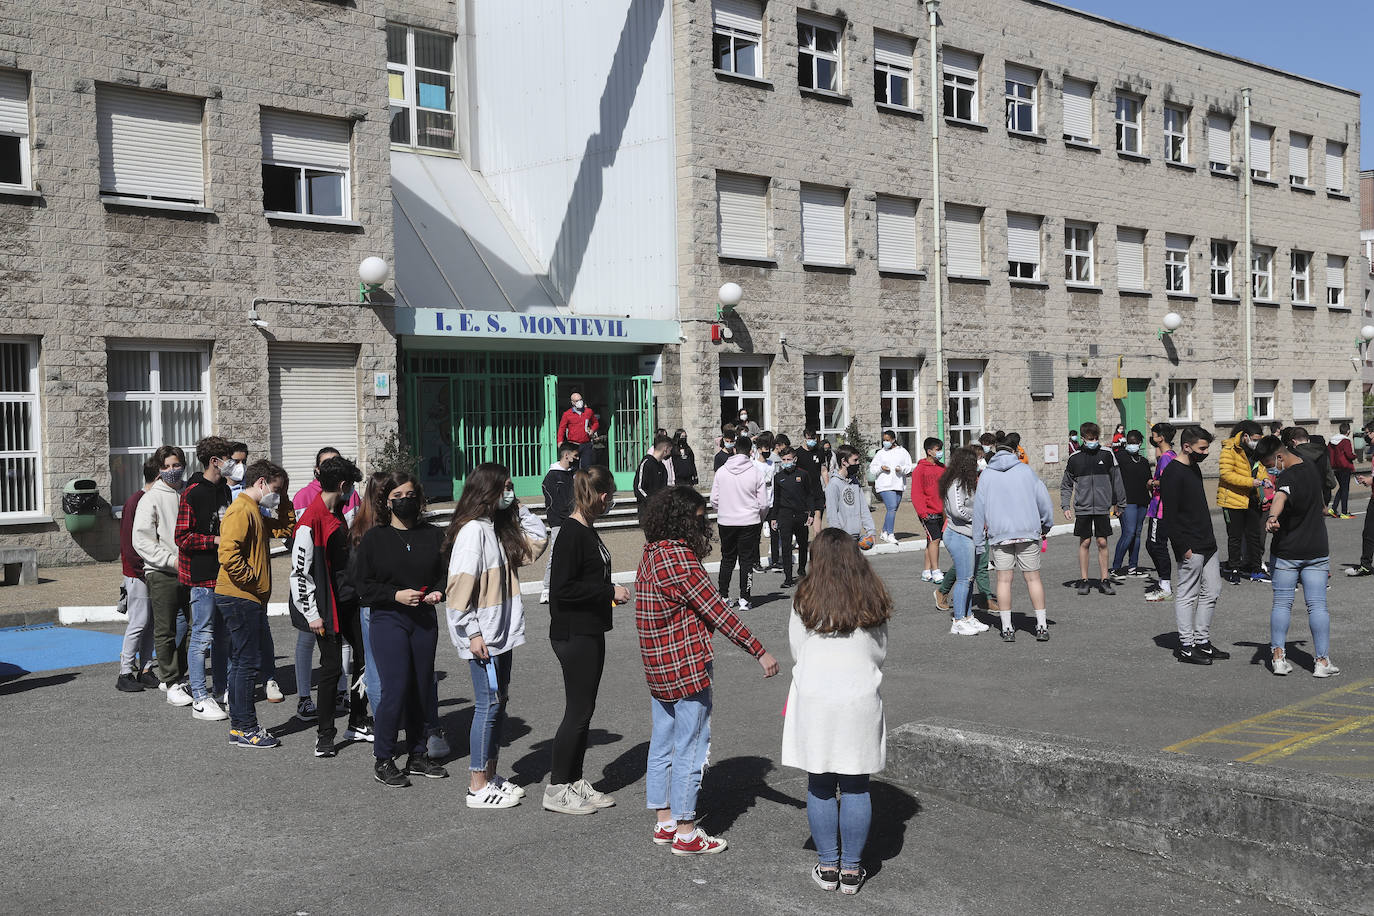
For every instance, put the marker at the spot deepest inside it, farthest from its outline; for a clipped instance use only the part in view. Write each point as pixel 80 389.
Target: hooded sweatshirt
pixel 959 509
pixel 483 597
pixel 155 525
pixel 1315 454
pixel 1011 503
pixel 925 488
pixel 1341 453
pixel 846 506
pixel 739 493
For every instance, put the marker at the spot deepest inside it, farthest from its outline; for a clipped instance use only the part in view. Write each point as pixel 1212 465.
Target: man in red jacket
pixel 579 425
pixel 929 506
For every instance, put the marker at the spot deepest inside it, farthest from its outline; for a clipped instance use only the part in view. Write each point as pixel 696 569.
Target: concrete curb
pixel 1302 839
pixel 29 618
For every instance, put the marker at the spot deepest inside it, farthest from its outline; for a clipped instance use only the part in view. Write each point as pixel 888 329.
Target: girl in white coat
pixel 833 727
pixel 891 472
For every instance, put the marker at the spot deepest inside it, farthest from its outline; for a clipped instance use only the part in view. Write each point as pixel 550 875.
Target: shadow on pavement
pixel 627 769
pixel 10 687
pixel 731 787
pixel 1299 657
pixel 893 808
pixel 534 767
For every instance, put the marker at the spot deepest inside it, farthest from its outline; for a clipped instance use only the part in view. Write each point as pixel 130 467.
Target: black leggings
pixel 583 657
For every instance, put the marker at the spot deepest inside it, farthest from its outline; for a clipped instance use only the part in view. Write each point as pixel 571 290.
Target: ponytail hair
pixel 589 485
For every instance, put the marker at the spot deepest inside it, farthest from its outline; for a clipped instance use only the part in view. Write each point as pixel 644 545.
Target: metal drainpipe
pixel 933 12
pixel 1249 265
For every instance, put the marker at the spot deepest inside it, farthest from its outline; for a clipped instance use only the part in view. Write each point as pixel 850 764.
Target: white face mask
pixel 270 501
pixel 579 404
pixel 507 498
pixel 887 443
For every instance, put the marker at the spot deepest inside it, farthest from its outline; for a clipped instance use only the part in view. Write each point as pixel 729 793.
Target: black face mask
pixel 853 472
pixel 406 508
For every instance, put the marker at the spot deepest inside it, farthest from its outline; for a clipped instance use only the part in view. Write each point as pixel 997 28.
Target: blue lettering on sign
pixel 495 325
pixel 438 321
pixel 531 325
pixel 526 324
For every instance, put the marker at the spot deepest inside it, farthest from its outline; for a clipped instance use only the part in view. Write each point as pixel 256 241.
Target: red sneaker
pixel 663 836
pixel 700 844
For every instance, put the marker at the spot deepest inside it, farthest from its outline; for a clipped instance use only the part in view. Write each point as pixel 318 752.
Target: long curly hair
pixel 840 592
pixel 671 515
pixel 961 469
pixel 482 499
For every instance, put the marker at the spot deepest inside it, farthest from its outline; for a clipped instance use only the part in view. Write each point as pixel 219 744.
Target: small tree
pixel 853 435
pixel 395 455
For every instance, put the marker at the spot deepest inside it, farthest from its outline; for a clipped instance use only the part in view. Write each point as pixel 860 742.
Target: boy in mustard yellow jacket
pixel 1238 496
pixel 252 521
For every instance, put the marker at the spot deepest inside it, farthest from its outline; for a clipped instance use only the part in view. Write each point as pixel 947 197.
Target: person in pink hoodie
pixel 739 494
pixel 929 506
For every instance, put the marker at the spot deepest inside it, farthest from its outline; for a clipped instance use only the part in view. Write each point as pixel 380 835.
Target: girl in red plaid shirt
pixel 677 609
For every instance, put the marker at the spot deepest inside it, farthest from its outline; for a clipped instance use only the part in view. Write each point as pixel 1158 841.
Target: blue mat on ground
pixel 49 647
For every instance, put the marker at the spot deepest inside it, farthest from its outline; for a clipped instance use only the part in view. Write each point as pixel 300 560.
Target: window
pixel 1335 281
pixel 157 397
pixel 1262 273
pixel 893 61
pixel 1078 252
pixel 1223 400
pixel 420 79
pixel 1302 399
pixel 1130 258
pixel 737 36
pixel 1299 148
pixel 742 216
pixel 1128 123
pixel 1261 151
pixel 744 386
pixel 1175 134
pixel 152 145
pixel 1219 143
pixel 1177 275
pixel 1023 246
pixel 964 413
pixel 964 240
pixel 818 53
pixel 1022 99
pixel 1264 399
pixel 1300 269
pixel 305 164
pixel 1337 407
pixel 1078 111
pixel 1221 269
pixel 14 130
pixel 897 246
pixel 898 399
pixel 21 456
pixel 1335 167
pixel 960 70
pixel 824 238
pixel 1181 399
pixel 826 379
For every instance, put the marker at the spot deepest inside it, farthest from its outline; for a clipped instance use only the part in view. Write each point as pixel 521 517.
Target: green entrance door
pixel 1082 401
pixel 632 426
pixel 1134 410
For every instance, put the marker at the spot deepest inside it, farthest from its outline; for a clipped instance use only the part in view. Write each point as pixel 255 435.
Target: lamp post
pixel 1249 287
pixel 727 297
pixel 933 116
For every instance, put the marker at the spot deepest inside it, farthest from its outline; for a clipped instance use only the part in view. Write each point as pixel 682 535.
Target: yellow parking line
pixel 1313 725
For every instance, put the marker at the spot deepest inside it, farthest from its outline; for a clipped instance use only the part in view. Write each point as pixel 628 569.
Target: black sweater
pixel 797 491
pixel 382 565
pixel 1186 513
pixel 580 589
pixel 1135 475
pixel 650 477
pixel 558 495
pixel 684 465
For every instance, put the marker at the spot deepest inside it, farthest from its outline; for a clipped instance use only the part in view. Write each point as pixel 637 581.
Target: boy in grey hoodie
pixel 846 503
pixel 1011 513
pixel 1091 494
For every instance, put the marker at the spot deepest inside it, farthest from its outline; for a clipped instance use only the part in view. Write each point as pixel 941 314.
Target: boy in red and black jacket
pixel 203 502
pixel 930 508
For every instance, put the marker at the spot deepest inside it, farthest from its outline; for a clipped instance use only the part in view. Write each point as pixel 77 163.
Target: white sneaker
pixel 208 710
pixel 594 798
pixel 274 694
pixel 925 575
pixel 510 788
pixel 178 696
pixel 742 605
pixel 565 799
pixel 978 625
pixel 544 596
pixel 490 796
pixel 960 627
pixel 1325 669
pixel 1281 666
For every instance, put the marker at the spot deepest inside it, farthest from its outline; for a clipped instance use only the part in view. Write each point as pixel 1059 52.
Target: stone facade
pixel 770 128
pixel 80 273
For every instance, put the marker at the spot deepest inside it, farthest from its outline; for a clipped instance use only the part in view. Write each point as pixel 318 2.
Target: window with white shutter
pixel 737 36
pixel 1335 167
pixel 152 145
pixel 1223 400
pixel 1022 88
pixel 894 59
pixel 1023 246
pixel 14 129
pixel 1218 143
pixel 824 239
pixel 1302 399
pixel 1299 148
pixel 1261 150
pixel 742 216
pixel 1335 281
pixel 1130 258
pixel 1078 111
pixel 960 69
pixel 897 233
pixel 21 453
pixel 1264 398
pixel 305 164
pixel 1337 406
pixel 964 240
pixel 300 420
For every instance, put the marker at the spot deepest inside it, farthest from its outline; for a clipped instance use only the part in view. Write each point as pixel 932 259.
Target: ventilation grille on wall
pixel 1041 375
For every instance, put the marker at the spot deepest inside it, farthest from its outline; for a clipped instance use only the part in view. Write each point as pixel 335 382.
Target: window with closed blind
pixel 1023 246
pixel 14 130
pixel 897 245
pixel 1338 407
pixel 1078 111
pixel 742 216
pixel 1299 150
pixel 1335 281
pixel 152 145
pixel 1261 151
pixel 1335 167
pixel 964 240
pixel 825 240
pixel 1302 399
pixel 1223 400
pixel 21 453
pixel 1219 143
pixel 1130 258
pixel 159 394
pixel 305 165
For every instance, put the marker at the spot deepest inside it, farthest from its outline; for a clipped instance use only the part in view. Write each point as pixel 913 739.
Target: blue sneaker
pixel 1261 577
pixel 255 737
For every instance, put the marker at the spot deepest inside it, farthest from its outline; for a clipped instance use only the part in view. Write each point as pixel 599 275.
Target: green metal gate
pixel 632 426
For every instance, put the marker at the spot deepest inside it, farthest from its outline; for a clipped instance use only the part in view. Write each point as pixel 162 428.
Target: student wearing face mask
pixel 558 502
pixel 238 455
pixel 725 446
pixel 796 497
pixel 891 467
pixel 1197 583
pixel 1156 532
pixel 1075 444
pixel 846 503
pixel 929 505
pixel 1091 493
pixel 243 587
pixel 746 426
pixel 651 476
pixel 1238 496
pixel 809 459
pixel 739 493
pixel 684 461
pixel 154 540
pixel 1135 477
pixel 579 425
pixel 488 539
pixel 764 460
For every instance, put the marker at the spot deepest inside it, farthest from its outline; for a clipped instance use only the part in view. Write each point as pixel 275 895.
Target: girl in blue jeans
pixel 833 727
pixel 891 473
pixel 957 486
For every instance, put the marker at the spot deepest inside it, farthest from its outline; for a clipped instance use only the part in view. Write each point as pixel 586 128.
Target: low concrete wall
pixel 1304 839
